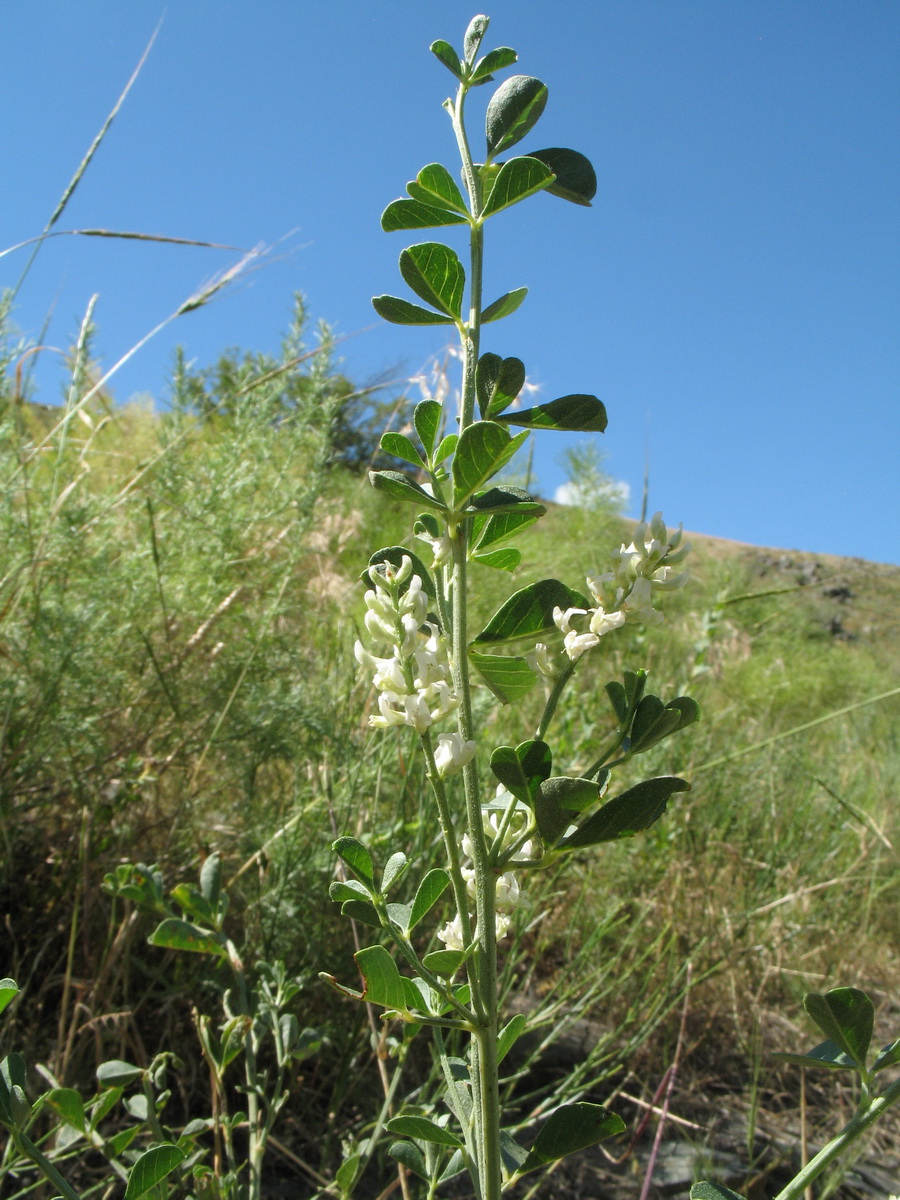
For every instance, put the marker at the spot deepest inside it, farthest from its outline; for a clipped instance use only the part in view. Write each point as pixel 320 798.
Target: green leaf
pixel 514 109
pixel 340 890
pixel 68 1106
pixel 475 32
pixel 15 1109
pixel 845 1015
pixel 497 382
pixel 689 709
pixel 635 682
pixel 552 815
pixel 447 55
pixel 502 525
pixel 363 911
pixel 357 857
pixel 9 989
pixel 617 699
pixel 887 1057
pixel 136 882
pixel 429 891
pixel 713 1191
pixel 137 1107
pixel 120 1141
pixel 413 214
pixel 494 60
pixel 153 1165
pixel 211 874
pixel 827 1054
pixel 455 1166
pixel 400 446
pixel 505 559
pixel 394 869
pixel 514 1156
pixel 572 414
pixel 508 303
pixel 410 1156
pixel 175 934
pixel 523 768
pixel 446 448
pixel 509 1035
pixel 558 798
pixel 103 1104
pixel 401 312
pixel 193 903
pixel 508 678
pixel 435 186
pixel 529 613
pixel 484 448
pixel 400 914
pixel 427 420
pixel 654 721
pixel 444 962
pixel 628 813
pixel 516 180
pixel 396 485
pixel 651 723
pixel 506 498
pixel 570 1128
pixel 347 1174
pixel 395 555
pixel 427 524
pixel 436 275
pixel 424 1130
pixel 383 984
pixel 117 1074
pixel 575 180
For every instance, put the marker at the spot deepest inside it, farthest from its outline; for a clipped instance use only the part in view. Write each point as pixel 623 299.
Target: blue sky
pixel 732 296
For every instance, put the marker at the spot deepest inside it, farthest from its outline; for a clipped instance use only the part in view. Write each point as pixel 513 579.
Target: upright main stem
pixel 482 966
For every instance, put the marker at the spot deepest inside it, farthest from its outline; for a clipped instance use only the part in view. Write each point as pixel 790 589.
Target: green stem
pixel 29 1149
pixel 851 1131
pixel 448 830
pixel 553 699
pixel 482 966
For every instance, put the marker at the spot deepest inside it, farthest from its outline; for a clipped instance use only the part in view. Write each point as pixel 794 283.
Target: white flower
pixel 574 643
pixel 562 619
pixel 501 925
pixel 602 622
pixel 414 679
pixel 441 548
pixel 452 754
pixel 638 604
pixel 452 934
pixel 507 890
pixel 540 661
pixel 380 629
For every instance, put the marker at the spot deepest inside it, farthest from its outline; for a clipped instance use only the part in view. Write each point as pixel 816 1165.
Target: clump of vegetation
pixel 183 734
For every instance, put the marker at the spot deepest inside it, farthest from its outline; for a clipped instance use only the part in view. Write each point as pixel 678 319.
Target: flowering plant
pixel 516 812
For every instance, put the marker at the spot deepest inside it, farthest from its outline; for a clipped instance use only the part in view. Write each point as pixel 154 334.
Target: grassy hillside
pixel 178 603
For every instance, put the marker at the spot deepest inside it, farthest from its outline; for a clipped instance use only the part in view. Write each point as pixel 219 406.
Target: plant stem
pixel 553 699
pixel 450 840
pixel 482 966
pixel 28 1148
pixel 851 1131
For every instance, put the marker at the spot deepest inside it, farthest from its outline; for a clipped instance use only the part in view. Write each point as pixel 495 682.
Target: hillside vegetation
pixel 179 597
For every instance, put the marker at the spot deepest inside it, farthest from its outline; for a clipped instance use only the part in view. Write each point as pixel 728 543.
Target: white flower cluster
pixel 413 680
pixel 507 893
pixel 624 593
